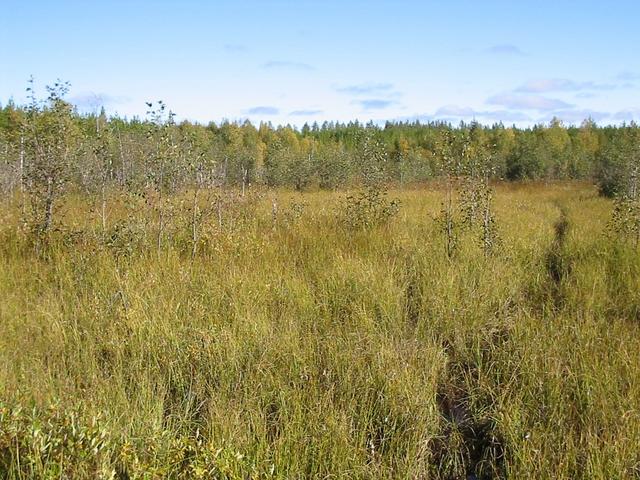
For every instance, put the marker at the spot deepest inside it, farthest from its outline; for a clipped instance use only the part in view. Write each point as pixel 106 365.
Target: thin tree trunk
pixel 244 179
pixel 22 193
pixel 122 160
pixel 274 211
pixel 48 207
pixel 194 225
pixel 486 228
pixel 104 209
pixel 160 229
pixel 449 219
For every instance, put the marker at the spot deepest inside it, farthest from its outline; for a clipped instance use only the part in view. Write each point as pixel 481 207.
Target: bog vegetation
pixel 340 301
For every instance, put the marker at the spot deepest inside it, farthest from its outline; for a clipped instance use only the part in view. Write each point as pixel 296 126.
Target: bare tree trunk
pixel 486 225
pixel 22 195
pixel 48 206
pixel 274 211
pixel 104 209
pixel 160 229
pixel 449 217
pixel 122 160
pixel 194 225
pixel 244 179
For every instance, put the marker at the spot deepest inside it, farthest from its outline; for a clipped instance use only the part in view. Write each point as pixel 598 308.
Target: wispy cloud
pixel 628 76
pixel 454 112
pixel 505 116
pixel 586 95
pixel 92 100
pixel 382 95
pixel 449 115
pixel 366 89
pixel 506 49
pixel 235 48
pixel 629 79
pixel 423 117
pixel 263 110
pixel 561 85
pixel 287 65
pixel 627 115
pixel 305 113
pixel 375 103
pixel 576 115
pixel 527 102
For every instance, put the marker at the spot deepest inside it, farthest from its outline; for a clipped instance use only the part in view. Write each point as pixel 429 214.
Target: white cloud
pixel 305 113
pixel 561 85
pixel 375 103
pixel 366 88
pixel 455 111
pixel 263 110
pixel 628 76
pixel 506 116
pixel 527 102
pixel 576 116
pixel 628 115
pixel 94 101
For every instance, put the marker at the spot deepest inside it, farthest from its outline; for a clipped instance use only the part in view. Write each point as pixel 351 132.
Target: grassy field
pixel 292 346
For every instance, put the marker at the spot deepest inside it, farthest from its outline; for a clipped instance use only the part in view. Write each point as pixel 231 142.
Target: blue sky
pixel 289 61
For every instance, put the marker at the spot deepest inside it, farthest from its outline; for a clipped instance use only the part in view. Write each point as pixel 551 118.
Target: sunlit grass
pixel 303 349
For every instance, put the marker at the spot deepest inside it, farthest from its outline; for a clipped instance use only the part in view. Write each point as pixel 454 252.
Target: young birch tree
pixel 50 135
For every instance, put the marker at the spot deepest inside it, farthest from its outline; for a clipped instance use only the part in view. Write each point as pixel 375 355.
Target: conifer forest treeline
pixel 48 145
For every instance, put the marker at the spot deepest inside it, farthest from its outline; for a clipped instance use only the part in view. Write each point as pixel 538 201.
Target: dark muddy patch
pixel 557 262
pixel 470 444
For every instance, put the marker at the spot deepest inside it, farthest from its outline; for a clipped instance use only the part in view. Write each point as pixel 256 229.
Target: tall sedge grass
pixel 305 349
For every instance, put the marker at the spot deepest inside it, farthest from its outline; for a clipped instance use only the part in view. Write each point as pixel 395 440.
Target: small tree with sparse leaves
pixel 50 137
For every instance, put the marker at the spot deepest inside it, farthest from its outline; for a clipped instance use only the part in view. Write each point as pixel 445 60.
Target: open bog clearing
pixel 311 335
pixel 320 240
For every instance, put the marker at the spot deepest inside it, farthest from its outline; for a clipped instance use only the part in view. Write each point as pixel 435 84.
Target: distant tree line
pixel 46 146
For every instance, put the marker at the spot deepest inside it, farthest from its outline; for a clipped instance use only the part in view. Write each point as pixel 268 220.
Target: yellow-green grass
pixel 300 348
